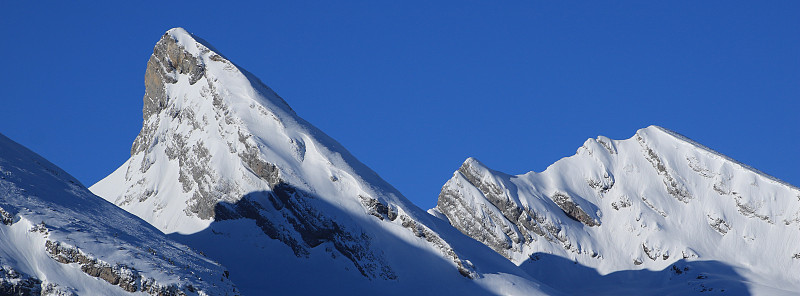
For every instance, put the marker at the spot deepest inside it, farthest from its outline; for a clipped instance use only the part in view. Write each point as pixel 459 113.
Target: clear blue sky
pixel 414 88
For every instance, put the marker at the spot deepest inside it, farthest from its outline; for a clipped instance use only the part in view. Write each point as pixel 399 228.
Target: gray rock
pixel 719 225
pixel 520 225
pixel 15 283
pixel 125 277
pixel 463 218
pixel 465 268
pixel 167 61
pixel 674 188
pixel 573 210
pixel 6 218
pixel 378 209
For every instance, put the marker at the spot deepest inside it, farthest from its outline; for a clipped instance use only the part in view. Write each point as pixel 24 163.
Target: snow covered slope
pixel 56 238
pixel 658 203
pixel 223 164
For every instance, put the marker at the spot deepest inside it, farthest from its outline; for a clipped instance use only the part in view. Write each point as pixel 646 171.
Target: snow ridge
pixel 650 202
pixel 731 160
pixel 49 221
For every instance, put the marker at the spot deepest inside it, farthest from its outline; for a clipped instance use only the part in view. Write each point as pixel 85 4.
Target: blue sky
pixel 414 88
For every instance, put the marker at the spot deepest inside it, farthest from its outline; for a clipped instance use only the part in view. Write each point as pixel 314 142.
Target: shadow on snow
pixel 681 278
pixel 289 241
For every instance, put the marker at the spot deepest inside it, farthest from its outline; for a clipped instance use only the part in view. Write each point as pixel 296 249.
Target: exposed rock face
pixel 483 205
pixel 168 61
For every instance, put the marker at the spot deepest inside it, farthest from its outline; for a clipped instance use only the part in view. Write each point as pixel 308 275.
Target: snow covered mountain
pixel 223 164
pixel 657 213
pixel 56 238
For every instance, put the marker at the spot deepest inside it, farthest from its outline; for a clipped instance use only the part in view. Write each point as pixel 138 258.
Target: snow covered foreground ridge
pixel 56 238
pixel 641 203
pixel 223 164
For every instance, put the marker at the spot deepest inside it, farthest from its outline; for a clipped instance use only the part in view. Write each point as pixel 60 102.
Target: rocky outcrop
pixel 16 283
pixel 719 225
pixel 464 219
pixel 378 209
pixel 674 188
pixel 465 268
pixel 5 217
pixel 500 223
pixel 127 278
pixel 573 210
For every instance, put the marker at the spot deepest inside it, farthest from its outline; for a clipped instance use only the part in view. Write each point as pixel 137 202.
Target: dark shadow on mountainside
pixel 289 242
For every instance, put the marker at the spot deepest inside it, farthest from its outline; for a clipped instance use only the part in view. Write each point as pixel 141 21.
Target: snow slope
pixel 655 207
pixel 225 165
pixel 56 238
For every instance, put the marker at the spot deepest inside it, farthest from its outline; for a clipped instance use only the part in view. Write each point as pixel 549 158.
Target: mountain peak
pixel 176 53
pixel 221 153
pixel 662 133
pixel 655 130
pixel 644 190
pixel 178 32
pixel 185 73
pixel 193 44
pixel 473 163
pixel 659 138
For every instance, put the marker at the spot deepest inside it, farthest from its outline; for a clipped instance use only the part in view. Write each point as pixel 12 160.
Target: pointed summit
pixel 175 54
pixel 181 64
pixel 181 35
pixel 223 162
pixel 199 107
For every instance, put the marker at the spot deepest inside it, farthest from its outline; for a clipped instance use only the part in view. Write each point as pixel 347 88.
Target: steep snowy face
pixel 56 238
pixel 644 202
pixel 197 109
pixel 223 163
